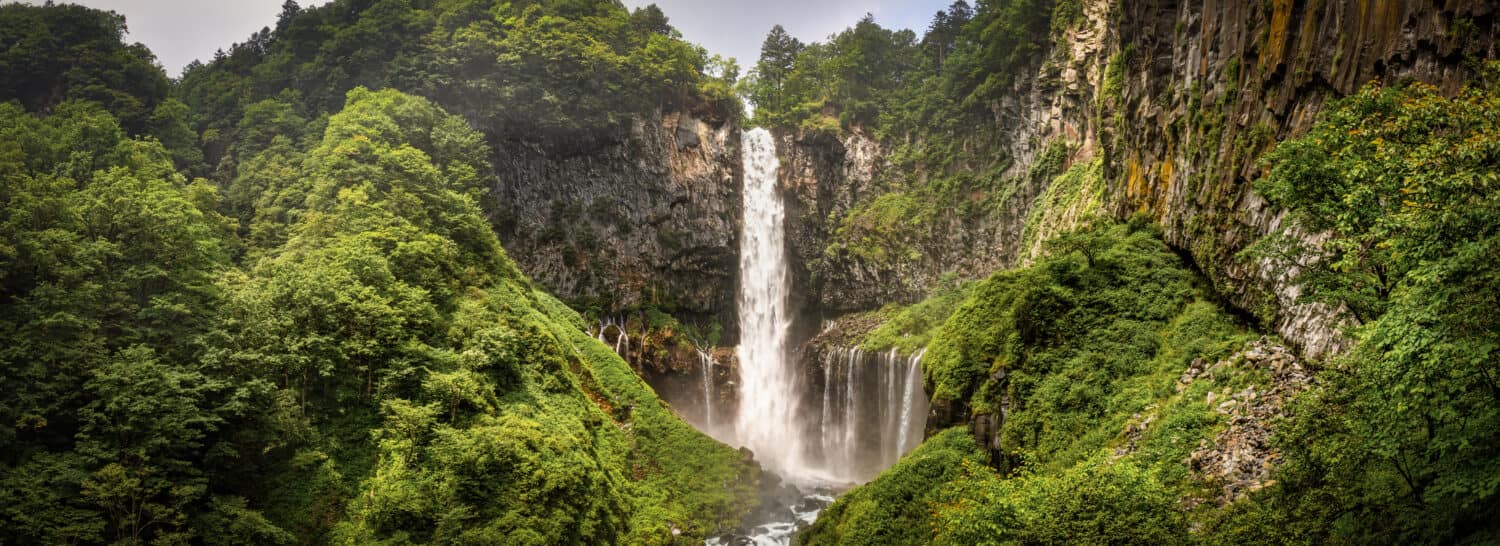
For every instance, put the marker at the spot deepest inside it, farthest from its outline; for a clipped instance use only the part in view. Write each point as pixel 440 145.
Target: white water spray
pixel 706 368
pixel 767 416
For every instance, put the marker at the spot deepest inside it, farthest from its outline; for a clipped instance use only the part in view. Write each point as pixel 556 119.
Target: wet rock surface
pixel 785 510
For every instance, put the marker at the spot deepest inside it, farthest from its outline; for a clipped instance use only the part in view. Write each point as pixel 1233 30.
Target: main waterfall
pixel 767 420
pixel 842 425
pixel 872 407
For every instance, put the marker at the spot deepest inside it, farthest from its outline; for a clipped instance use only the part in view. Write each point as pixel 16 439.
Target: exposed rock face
pixel 652 220
pixel 822 177
pixel 1212 85
pixel 1240 458
pixel 700 383
pixel 1201 90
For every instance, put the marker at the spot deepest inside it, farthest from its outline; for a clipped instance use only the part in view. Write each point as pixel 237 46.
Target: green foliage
pixel 1113 279
pixel 882 232
pixel 1114 74
pixel 58 53
pixel 849 75
pixel 1069 352
pixel 566 74
pixel 1398 445
pixel 1075 196
pixel 910 328
pixel 896 507
pixel 1096 502
pixel 377 371
pixel 872 77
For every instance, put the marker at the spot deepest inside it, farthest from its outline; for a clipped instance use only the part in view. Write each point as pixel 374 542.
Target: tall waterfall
pixel 844 423
pixel 767 422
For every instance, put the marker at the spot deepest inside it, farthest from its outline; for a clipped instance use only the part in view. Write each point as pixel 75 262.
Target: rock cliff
pixel 1157 107
pixel 650 221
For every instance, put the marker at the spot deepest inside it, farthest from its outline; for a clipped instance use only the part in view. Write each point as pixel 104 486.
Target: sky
pixel 736 28
pixel 179 31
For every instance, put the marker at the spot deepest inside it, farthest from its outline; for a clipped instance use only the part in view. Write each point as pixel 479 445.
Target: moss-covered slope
pixel 1070 374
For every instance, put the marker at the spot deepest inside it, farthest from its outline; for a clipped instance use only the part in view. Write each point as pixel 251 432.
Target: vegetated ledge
pixel 1105 364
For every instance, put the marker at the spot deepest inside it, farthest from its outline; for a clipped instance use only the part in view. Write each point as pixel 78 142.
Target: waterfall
pixel 825 420
pixel 851 410
pixel 888 433
pixel 767 421
pixel 706 365
pixel 872 405
pixel 913 393
pixel 873 411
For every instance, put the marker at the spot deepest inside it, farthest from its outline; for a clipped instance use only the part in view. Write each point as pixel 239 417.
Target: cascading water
pixel 767 414
pixel 873 411
pixel 706 368
pixel 868 400
pixel 914 397
pixel 869 405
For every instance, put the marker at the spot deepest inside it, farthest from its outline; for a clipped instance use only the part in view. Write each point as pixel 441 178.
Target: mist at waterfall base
pixel 834 421
pixel 841 428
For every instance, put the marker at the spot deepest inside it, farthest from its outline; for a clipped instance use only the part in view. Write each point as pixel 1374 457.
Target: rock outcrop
pixel 652 220
pixel 1239 459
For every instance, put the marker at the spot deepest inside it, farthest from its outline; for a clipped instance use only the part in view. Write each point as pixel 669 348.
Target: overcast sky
pixel 179 31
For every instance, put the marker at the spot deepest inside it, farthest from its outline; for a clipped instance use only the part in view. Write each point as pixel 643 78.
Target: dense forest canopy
pixel 322 341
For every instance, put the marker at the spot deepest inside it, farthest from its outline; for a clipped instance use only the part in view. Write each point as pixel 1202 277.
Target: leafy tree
pixel 145 423
pixel 62 52
pixel 778 54
pixel 1397 446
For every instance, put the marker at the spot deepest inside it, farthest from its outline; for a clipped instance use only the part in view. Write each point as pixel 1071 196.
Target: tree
pixel 778 55
pixel 1399 445
pixel 145 424
pixel 651 20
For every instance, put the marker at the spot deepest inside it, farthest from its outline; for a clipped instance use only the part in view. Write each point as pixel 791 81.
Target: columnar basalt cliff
pixel 652 220
pixel 1165 108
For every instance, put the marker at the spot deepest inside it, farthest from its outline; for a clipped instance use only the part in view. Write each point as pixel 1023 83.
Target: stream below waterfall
pixel 821 419
pixel 821 431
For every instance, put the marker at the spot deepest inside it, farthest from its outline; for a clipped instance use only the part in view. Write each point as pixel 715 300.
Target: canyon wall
pixel 650 221
pixel 1162 108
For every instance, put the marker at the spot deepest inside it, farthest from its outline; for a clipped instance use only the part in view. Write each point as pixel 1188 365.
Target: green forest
pixel 268 301
pixel 237 311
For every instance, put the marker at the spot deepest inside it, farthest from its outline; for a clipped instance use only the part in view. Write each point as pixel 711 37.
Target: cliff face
pixel 1170 104
pixel 650 221
pixel 1215 84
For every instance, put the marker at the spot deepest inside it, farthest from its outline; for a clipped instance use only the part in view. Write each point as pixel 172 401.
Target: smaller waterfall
pixel 825 426
pixel 706 366
pixel 913 391
pixel 873 411
pixel 851 407
pixel 622 339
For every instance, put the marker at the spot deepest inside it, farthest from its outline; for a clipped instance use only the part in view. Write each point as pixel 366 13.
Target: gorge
pixel 535 272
